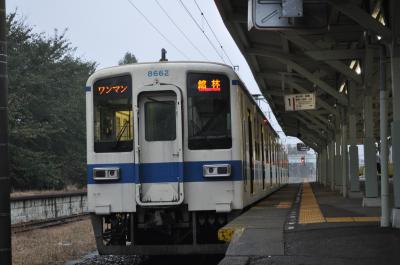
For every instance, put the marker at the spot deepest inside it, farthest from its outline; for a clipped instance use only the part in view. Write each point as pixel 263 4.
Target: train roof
pixel 165 62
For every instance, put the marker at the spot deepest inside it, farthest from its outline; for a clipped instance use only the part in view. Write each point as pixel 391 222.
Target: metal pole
pixel 384 149
pixel 326 168
pixel 395 69
pixel 5 221
pixel 338 160
pixel 332 164
pixel 344 160
pixel 318 168
pixel 371 180
pixel 326 172
pixel 323 166
pixel 353 148
pixel 353 152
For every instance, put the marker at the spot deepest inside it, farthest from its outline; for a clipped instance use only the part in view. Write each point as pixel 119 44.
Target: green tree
pixel 129 58
pixel 47 108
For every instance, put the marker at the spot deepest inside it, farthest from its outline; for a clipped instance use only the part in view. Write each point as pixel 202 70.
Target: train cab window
pixel 209 112
pixel 113 128
pixel 160 121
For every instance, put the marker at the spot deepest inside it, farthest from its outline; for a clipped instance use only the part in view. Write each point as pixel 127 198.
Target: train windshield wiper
pixel 121 133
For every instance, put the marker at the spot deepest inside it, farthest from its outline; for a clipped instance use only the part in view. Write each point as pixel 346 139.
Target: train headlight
pixel 217 170
pixel 109 173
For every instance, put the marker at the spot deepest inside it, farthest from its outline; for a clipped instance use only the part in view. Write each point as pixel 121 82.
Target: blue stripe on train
pixel 166 172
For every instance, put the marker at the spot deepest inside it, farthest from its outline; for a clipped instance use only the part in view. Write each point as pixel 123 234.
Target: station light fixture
pixel 358 68
pixel 342 87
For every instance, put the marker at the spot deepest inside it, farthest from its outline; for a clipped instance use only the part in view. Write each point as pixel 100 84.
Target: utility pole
pixel 5 219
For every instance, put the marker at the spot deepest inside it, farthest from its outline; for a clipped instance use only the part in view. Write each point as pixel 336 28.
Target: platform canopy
pixel 333 53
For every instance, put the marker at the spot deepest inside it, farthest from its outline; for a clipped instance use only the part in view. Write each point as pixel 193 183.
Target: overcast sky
pixel 103 30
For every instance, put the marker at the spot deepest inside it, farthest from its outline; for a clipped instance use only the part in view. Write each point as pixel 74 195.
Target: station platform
pixel 307 224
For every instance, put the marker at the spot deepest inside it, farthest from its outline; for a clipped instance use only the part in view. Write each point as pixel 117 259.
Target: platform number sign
pixel 294 102
pixel 302 147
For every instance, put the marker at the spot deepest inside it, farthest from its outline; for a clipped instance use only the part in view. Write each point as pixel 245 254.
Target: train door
pixel 244 143
pixel 251 155
pixel 160 147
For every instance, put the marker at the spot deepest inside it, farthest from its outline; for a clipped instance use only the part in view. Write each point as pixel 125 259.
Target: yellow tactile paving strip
pixel 339 219
pixel 367 219
pixel 226 233
pixel 310 213
pixel 353 219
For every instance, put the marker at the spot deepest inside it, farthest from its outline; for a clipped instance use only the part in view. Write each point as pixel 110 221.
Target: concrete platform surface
pixel 347 233
pixel 259 231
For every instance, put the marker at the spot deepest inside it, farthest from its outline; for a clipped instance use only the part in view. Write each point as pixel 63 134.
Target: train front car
pixel 169 162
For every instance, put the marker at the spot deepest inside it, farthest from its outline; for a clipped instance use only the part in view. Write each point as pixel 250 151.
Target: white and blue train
pixel 175 150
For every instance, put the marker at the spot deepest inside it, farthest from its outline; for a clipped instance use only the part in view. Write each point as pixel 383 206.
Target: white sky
pixel 103 30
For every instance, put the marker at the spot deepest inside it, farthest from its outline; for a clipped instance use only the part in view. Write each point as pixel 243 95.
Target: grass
pixel 55 245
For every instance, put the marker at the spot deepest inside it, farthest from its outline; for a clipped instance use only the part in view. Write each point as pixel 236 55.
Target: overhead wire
pixel 204 33
pixel 215 36
pixel 180 30
pixel 158 31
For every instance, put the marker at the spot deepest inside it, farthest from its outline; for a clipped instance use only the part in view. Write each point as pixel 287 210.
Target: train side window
pixel 113 128
pixel 269 159
pixel 256 139
pixel 160 121
pixel 209 112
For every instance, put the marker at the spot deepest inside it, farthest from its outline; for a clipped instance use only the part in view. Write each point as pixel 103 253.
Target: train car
pixel 175 150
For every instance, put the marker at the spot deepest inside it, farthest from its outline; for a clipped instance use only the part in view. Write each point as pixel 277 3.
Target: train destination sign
pixel 295 102
pixel 207 85
pixel 113 87
pixel 213 85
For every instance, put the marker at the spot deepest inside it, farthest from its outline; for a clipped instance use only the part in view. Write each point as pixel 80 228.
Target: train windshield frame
pixel 209 111
pixel 113 115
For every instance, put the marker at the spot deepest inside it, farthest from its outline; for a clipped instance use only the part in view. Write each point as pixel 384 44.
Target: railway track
pixel 29 226
pixel 94 258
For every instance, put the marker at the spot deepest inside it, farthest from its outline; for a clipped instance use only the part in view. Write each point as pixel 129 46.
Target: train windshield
pixel 209 115
pixel 113 128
